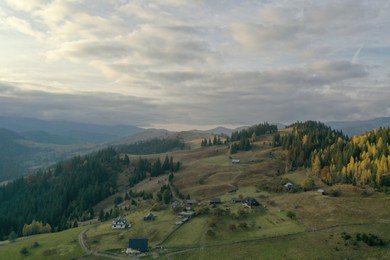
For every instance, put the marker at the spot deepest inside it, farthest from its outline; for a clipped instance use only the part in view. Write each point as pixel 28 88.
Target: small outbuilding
pixel 187 214
pixel 215 201
pixel 150 216
pixel 235 161
pixel 236 200
pixel 323 192
pixel 288 185
pixel 191 202
pixel 138 244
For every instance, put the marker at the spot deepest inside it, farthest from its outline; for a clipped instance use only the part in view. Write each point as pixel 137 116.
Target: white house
pixel 235 161
pixel 119 222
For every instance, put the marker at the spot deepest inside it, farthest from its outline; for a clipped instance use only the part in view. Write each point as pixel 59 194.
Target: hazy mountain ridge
pixel 352 128
pixel 27 144
pixel 71 132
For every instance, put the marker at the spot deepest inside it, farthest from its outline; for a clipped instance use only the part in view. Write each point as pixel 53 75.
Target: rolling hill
pixel 346 221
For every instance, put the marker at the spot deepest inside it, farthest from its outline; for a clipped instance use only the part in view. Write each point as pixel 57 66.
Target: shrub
pixel 335 193
pixel 24 251
pixel 35 245
pixel 210 233
pixel 232 227
pixel 291 214
pixel 243 225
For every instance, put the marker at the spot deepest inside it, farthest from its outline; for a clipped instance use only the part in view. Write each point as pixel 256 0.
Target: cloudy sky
pixel 180 64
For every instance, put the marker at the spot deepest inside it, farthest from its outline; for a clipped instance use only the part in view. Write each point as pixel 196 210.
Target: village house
pixel 235 161
pixel 119 222
pixel 250 202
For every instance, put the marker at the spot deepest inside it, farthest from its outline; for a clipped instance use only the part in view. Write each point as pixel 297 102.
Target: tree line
pixel 156 145
pixel 241 140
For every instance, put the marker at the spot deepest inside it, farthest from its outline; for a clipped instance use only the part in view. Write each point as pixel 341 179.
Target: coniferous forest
pixel 334 157
pixel 156 145
pixel 54 200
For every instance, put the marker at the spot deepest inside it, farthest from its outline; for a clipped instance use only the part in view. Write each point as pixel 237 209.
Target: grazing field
pixel 329 243
pixel 61 245
pixel 257 225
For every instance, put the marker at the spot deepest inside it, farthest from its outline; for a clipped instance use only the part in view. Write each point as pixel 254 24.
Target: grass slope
pixel 61 245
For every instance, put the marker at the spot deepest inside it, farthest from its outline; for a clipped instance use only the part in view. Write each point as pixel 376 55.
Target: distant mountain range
pixel 352 128
pixel 59 132
pixel 27 144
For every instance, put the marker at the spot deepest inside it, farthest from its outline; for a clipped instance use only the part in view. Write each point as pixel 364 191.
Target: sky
pixel 183 64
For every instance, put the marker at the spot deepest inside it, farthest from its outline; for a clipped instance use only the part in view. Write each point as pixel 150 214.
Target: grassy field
pixel 102 237
pixel 194 233
pixel 61 245
pixel 322 244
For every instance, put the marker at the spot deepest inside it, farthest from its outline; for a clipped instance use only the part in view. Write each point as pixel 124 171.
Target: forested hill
pixel 66 193
pixel 61 195
pixel 335 158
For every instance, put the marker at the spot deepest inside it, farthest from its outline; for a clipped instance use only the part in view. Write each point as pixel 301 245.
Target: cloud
pixel 22 26
pixel 257 36
pixel 194 62
pixel 336 70
pixel 79 106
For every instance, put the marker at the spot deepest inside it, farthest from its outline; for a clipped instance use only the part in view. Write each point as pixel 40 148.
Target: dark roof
pixel 215 200
pixel 150 216
pixel 140 244
pixel 251 201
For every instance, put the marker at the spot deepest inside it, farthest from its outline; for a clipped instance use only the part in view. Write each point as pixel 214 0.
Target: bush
pixel 35 245
pixel 335 193
pixel 291 214
pixel 243 225
pixel 308 184
pixel 24 251
pixel 210 233
pixel 232 227
pixel 12 236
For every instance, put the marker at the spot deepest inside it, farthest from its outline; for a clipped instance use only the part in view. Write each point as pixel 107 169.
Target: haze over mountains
pixel 352 128
pixel 28 144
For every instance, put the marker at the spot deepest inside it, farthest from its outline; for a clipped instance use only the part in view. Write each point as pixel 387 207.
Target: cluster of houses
pixel 140 245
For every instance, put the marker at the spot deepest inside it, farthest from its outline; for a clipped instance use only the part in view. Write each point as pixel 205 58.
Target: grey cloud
pixel 337 70
pixel 257 36
pixel 93 107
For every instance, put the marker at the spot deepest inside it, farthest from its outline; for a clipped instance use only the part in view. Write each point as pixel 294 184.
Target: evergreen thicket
pixel 245 136
pixel 156 145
